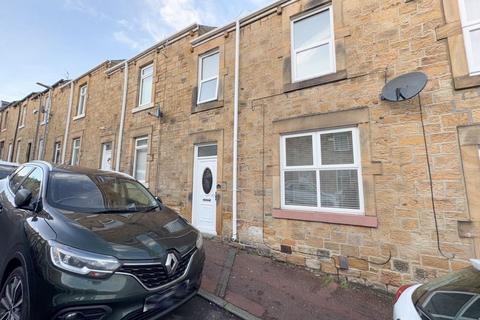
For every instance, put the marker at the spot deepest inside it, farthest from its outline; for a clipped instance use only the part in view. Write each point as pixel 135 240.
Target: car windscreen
pixel 454 296
pixel 97 193
pixel 5 171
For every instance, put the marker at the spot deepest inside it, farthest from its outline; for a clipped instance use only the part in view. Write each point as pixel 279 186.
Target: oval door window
pixel 207 180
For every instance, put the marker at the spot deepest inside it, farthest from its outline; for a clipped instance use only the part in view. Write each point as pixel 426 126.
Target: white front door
pixel 204 206
pixel 106 156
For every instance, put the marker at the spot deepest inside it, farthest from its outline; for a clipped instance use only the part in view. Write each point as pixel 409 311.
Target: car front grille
pixel 154 276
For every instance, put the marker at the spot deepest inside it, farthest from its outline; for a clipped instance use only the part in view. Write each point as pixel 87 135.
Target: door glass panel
pixel 207 180
pixel 207 151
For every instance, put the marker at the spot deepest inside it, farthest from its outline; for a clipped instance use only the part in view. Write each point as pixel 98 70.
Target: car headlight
pixel 199 243
pixel 82 262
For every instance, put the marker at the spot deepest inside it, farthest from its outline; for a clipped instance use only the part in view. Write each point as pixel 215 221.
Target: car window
pixel 453 296
pixel 17 179
pixel 33 183
pixel 96 193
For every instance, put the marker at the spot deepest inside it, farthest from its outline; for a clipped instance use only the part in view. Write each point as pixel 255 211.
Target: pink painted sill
pixel 334 218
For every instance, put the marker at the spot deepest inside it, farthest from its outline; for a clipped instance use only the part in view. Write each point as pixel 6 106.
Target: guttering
pixel 235 131
pixel 122 117
pixel 67 126
pixel 173 38
pixel 259 14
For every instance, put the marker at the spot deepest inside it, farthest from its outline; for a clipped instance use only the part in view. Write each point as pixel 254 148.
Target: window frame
pixel 76 149
pixel 55 149
pixel 318 167
pixel 17 155
pixel 141 83
pixel 467 29
pixel 82 101
pixel 135 155
pixel 23 114
pixel 331 41
pixel 201 81
pixel 41 147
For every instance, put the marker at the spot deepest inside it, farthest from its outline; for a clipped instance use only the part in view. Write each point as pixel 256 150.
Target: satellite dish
pixel 404 87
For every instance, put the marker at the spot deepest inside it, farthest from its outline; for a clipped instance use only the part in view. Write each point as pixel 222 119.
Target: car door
pixel 11 218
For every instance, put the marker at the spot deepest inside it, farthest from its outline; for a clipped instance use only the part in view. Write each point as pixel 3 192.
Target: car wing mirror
pixel 159 199
pixel 23 197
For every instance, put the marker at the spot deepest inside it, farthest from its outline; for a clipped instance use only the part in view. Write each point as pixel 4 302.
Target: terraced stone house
pixel 270 131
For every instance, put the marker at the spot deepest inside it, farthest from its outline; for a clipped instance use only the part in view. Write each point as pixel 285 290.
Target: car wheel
pixel 14 302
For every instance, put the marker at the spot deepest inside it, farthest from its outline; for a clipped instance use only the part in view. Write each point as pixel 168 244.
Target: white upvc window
pixel 140 159
pixel 57 152
pixel 208 77
pixel 470 13
pixel 146 86
pixel 82 101
pixel 41 145
pixel 313 45
pixel 321 171
pixel 76 152
pixel 23 114
pixel 17 157
pixel 10 150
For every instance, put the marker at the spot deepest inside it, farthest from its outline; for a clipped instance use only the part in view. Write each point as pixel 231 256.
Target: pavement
pixel 200 309
pixel 254 287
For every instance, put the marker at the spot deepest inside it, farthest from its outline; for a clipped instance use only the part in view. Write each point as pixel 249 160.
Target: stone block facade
pixel 394 237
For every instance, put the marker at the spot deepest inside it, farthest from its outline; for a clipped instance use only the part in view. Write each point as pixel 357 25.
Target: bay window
pixel 313 47
pixel 320 171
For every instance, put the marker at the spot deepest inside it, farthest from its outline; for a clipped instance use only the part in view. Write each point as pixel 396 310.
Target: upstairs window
pixel 313 48
pixel 208 77
pixel 5 121
pixel 82 101
pixel 23 114
pixel 321 171
pixel 41 146
pixel 470 12
pixel 146 86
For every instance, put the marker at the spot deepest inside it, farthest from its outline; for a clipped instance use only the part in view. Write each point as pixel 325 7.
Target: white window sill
pixel 79 117
pixel 42 123
pixel 142 108
pixel 21 127
pixel 3 130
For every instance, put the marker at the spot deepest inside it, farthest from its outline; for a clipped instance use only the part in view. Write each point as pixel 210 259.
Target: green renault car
pixel 82 244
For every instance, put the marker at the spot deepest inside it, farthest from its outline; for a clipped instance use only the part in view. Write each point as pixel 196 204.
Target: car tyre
pixel 14 297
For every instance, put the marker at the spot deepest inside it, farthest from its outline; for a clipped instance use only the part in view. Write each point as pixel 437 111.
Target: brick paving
pixel 272 290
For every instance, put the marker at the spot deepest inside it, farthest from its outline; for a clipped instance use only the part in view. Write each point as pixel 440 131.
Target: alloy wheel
pixel 11 300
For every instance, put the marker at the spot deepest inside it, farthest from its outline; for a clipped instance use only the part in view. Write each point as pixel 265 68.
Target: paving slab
pixel 272 290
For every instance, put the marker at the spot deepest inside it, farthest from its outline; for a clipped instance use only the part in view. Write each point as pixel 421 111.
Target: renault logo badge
pixel 172 263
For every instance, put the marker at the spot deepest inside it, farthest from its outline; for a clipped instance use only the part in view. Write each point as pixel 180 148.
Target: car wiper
pixel 115 211
pixel 150 209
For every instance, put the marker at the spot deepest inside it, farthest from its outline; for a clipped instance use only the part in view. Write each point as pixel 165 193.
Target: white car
pixel 455 296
